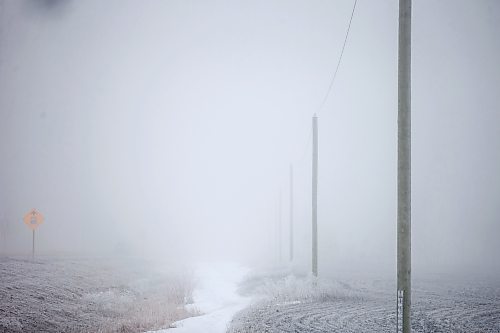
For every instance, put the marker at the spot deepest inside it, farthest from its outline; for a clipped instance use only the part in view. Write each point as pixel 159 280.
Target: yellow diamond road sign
pixel 33 219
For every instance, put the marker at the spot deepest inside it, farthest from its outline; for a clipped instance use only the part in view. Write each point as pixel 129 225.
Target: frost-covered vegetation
pixel 292 288
pixel 89 295
pixel 289 303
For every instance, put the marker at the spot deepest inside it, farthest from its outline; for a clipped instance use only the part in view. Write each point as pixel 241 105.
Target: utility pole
pixel 403 303
pixel 315 197
pixel 280 233
pixel 291 213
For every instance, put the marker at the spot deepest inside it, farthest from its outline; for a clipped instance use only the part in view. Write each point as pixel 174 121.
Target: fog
pixel 167 129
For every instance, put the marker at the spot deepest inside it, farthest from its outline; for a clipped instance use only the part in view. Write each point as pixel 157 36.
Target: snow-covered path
pixel 216 297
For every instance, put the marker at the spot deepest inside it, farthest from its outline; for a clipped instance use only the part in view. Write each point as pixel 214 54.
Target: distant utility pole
pixel 315 197
pixel 403 302
pixel 3 231
pixel 280 247
pixel 291 212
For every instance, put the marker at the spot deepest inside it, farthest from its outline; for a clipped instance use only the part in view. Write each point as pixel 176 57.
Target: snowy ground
pixel 290 304
pixel 215 298
pixel 69 295
pixel 88 295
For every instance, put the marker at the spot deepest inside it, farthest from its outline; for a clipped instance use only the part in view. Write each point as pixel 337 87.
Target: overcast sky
pixel 168 128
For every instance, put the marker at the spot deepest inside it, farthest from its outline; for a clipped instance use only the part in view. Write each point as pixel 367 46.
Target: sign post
pixel 33 219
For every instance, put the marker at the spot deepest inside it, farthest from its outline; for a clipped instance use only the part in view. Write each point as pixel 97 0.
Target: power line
pixel 332 81
pixel 308 141
pixel 340 58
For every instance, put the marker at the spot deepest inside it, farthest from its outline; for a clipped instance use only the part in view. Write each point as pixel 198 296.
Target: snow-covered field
pixel 89 295
pixel 83 295
pixel 290 304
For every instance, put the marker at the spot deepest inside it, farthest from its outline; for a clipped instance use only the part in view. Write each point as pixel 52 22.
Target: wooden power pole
pixel 404 170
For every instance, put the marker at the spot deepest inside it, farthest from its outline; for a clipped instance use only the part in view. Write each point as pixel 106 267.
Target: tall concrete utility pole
pixel 403 302
pixel 315 197
pixel 291 212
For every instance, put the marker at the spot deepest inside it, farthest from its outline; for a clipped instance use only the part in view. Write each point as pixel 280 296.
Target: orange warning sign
pixel 33 219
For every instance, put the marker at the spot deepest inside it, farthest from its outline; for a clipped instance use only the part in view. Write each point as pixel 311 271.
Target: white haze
pixel 166 128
